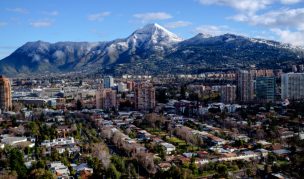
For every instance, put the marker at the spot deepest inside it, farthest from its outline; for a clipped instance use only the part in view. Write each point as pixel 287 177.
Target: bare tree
pixel 101 151
pixel 146 159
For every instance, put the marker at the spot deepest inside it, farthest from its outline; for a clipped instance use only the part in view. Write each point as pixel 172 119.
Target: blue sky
pixel 100 20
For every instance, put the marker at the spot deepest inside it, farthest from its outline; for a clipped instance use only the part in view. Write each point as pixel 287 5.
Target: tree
pixel 34 128
pixel 147 162
pixel 174 172
pixel 55 155
pixel 249 171
pixel 16 161
pixel 183 91
pixel 40 164
pixel 160 150
pixel 193 166
pixel 8 175
pixel 222 170
pixel 239 143
pixel 14 121
pixel 41 174
pixel 113 173
pixel 78 105
pixel 101 152
pixel 119 163
pixel 154 120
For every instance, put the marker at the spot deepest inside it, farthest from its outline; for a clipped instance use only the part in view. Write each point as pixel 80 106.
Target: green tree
pixel 119 163
pixel 222 170
pixel 161 151
pixel 193 166
pixel 16 161
pixel 113 172
pixel 40 164
pixel 34 128
pixel 78 105
pixel 41 174
pixel 55 155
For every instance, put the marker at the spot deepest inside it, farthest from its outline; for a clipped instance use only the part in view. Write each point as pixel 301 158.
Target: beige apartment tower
pixel 106 98
pixel 144 96
pixel 5 94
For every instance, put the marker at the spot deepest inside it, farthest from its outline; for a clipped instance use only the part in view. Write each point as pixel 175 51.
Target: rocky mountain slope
pixel 151 49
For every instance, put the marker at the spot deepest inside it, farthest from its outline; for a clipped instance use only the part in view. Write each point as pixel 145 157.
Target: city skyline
pixel 53 21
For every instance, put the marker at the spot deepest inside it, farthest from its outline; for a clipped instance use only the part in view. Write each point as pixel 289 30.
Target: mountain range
pixel 152 50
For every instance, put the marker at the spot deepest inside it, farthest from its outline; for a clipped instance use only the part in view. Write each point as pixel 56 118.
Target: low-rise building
pixel 59 169
pixel 169 148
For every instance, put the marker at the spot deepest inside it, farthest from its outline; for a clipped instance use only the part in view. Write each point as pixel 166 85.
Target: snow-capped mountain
pixel 149 40
pixel 151 46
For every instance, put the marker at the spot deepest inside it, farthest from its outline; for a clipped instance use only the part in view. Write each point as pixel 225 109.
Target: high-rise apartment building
pixel 122 87
pixel 228 93
pixel 5 94
pixel 292 86
pixel 106 98
pixel 245 86
pixel 144 96
pixel 108 82
pixel 265 89
pixel 130 85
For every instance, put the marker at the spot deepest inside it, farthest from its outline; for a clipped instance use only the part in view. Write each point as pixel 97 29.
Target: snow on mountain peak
pixel 156 34
pixel 204 35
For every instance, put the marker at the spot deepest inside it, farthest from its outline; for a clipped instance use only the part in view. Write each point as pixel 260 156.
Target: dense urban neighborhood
pixel 235 124
pixel 154 89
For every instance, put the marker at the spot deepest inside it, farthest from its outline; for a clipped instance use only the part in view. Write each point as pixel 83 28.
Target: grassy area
pixel 282 162
pixel 192 148
pixel 181 145
pixel 208 173
pixel 176 141
pixel 157 132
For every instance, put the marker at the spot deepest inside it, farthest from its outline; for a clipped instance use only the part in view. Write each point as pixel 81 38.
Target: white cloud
pixel 152 16
pixel 51 13
pixel 292 37
pixel 248 6
pixel 177 24
pixel 98 16
pixel 213 29
pixel 41 23
pixel 286 24
pixel 290 1
pixel 283 18
pixel 18 10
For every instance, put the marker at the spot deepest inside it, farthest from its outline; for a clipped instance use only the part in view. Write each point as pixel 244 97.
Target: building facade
pixel 122 87
pixel 292 86
pixel 5 94
pixel 265 89
pixel 108 82
pixel 245 86
pixel 228 93
pixel 144 96
pixel 130 85
pixel 106 98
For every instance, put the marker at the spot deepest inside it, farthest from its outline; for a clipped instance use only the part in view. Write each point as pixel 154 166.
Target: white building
pixel 59 141
pixel 83 167
pixel 13 140
pixel 292 85
pixel 122 87
pixel 108 82
pixel 169 148
pixel 59 169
